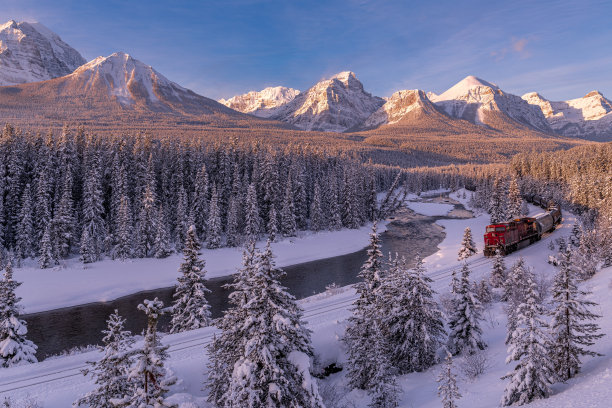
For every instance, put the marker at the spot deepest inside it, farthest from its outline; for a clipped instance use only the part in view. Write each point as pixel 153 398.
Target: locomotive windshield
pixel 494 229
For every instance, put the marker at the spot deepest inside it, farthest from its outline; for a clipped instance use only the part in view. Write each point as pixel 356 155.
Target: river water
pixel 58 330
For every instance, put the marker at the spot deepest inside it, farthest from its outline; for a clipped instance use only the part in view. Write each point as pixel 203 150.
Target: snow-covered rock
pixel 262 103
pixel 398 106
pixel 333 105
pixel 30 52
pixel 473 98
pixel 587 117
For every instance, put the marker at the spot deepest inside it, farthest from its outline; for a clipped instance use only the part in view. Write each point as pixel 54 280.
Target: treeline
pixel 136 196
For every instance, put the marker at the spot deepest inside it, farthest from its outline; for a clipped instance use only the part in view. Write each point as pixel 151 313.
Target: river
pixel 407 233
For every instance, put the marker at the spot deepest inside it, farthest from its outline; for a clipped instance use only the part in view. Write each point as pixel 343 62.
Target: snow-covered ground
pixel 430 209
pixel 56 383
pixel 74 283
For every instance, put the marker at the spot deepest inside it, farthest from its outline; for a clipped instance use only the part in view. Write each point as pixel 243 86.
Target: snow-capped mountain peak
pixel 482 102
pixel 400 104
pixel 262 103
pixel 464 87
pixel 589 116
pixel 335 105
pixel 127 78
pixel 30 52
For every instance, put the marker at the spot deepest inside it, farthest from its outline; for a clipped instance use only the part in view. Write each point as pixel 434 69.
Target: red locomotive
pixel 510 235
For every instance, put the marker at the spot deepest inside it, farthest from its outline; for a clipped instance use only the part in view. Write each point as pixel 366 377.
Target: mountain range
pixel 44 80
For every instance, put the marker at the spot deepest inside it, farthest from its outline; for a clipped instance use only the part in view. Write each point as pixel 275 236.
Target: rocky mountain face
pixel 484 103
pixel 262 103
pixel 399 106
pixel 30 52
pixel 332 105
pixel 589 117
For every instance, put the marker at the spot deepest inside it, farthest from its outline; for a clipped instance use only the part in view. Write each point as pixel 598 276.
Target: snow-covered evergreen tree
pixel 148 228
pixel 231 230
pixel 25 229
pixel 573 328
pixel 64 220
pixel 359 334
pixel 213 233
pixel 497 205
pixel 15 348
pixel 464 323
pixel 190 310
pixel 199 205
pixel 94 231
pixel 110 373
pixel 272 329
pixel 515 200
pixel 149 378
pixel 534 372
pixel 410 316
pixel 272 223
pixel 468 247
pixel 384 389
pixel 46 258
pixel 448 391
pixel 498 272
pixel 252 223
pixel 123 247
pixel 180 218
pixel 288 223
pixel 161 244
pixel 317 217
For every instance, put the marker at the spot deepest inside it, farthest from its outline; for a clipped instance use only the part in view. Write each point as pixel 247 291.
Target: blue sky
pixel 563 49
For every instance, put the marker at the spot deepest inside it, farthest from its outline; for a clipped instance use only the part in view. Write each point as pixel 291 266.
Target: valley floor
pixel 56 383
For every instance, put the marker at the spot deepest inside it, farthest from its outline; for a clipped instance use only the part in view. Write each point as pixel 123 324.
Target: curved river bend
pixel 407 233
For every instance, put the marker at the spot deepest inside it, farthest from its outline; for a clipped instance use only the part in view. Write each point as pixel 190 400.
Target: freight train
pixel 512 235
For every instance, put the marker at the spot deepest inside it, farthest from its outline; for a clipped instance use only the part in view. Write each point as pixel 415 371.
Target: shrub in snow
pixel 110 373
pixel 448 391
pixel 573 328
pixel 534 372
pixel 15 349
pixel 476 364
pixel 190 310
pixel 468 247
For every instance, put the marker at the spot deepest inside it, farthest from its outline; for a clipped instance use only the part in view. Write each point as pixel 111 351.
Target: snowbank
pixel 73 283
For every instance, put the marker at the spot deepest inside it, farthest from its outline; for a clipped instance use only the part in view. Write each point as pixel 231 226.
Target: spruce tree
pixel 149 378
pixel 123 247
pixel 497 206
pixel 464 323
pixel 498 272
pixel 25 230
pixel 252 219
pixel 94 232
pixel 515 200
pixel 266 372
pixel 359 335
pixel 161 245
pixel 384 390
pixel 448 391
pixel 410 316
pixel 468 247
pixel 572 328
pixel 15 349
pixel 317 217
pixel 199 204
pixel 46 258
pixel 148 228
pixel 110 373
pixel 515 291
pixel 231 230
pixel 288 223
pixel 213 233
pixel 272 223
pixel 64 220
pixel 190 310
pixel 533 374
pixel 180 218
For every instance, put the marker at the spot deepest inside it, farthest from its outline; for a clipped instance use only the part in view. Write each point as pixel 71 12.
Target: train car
pixel 555 212
pixel 510 235
pixel 545 223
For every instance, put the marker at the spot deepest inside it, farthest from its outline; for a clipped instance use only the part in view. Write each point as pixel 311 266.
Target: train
pixel 518 233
